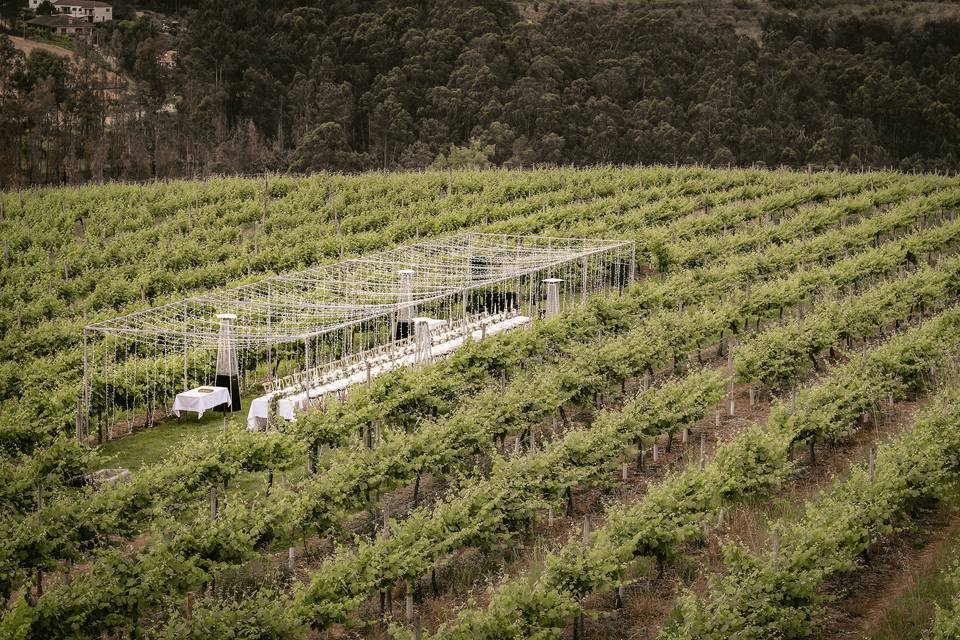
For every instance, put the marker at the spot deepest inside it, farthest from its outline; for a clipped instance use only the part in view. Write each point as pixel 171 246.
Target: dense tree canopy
pixel 361 84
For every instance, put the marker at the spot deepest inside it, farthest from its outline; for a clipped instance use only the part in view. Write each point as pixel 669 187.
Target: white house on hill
pixel 89 10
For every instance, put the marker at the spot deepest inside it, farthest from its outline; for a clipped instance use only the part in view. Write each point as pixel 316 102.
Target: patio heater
pixel 405 314
pixel 228 369
pixel 553 296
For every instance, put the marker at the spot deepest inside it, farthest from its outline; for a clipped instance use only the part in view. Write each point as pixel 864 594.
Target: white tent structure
pixel 294 331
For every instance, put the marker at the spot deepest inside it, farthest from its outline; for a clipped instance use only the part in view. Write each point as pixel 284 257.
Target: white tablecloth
pixel 196 400
pixel 260 408
pixel 286 406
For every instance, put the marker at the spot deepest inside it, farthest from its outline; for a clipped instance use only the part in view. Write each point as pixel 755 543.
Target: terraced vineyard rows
pixel 507 353
pixel 825 295
pixel 747 465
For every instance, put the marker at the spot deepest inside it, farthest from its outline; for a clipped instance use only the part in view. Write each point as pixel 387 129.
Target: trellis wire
pixel 319 311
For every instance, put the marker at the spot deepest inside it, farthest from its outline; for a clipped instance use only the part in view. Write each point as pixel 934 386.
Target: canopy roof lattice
pixel 325 299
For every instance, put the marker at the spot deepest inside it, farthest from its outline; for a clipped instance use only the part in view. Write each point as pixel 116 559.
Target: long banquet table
pixel 289 403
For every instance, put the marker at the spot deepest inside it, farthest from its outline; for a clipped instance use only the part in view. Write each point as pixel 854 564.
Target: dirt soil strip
pixel 27 46
pixel 893 572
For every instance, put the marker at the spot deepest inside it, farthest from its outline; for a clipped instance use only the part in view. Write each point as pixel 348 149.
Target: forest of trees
pixel 290 85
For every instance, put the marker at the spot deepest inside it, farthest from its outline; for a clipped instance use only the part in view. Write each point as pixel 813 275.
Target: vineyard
pixel 743 421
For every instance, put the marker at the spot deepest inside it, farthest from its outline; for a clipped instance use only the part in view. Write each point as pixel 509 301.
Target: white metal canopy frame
pixel 134 364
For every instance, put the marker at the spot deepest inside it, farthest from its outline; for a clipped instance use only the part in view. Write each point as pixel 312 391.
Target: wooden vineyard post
pixel 79 428
pixel 190 605
pixel 409 600
pixel 655 453
pixel 872 463
pixel 578 622
pixel 624 472
pixel 386 596
pixel 312 459
pixel 731 403
pixel 213 504
pixel 417 627
pixel 776 548
pixel 291 560
pixel 703 450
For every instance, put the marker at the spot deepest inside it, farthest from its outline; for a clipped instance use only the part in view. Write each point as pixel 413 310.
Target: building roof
pixel 84 4
pixel 60 21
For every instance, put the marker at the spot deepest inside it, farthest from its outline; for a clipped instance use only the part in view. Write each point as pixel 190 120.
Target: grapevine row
pixel 69 527
pixel 675 511
pixel 777 358
pixel 778 595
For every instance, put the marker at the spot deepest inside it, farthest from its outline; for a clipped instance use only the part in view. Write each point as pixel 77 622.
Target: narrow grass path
pixel 896 599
